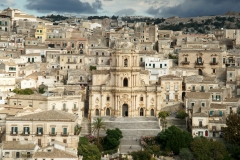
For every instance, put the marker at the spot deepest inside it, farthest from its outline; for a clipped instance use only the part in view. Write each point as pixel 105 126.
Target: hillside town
pixel 56 80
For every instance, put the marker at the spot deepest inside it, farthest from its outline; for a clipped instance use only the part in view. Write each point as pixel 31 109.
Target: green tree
pixel 232 132
pixel 205 149
pixel 141 155
pixel 97 125
pixel 26 91
pixel 181 114
pixel 174 139
pixel 87 150
pixel 112 139
pixel 185 154
pixel 163 115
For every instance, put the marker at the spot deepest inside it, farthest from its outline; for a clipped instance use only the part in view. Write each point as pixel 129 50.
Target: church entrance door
pixel 125 110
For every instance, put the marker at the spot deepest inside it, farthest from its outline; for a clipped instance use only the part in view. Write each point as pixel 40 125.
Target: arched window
pixel 125 62
pixel 125 82
pixel 53 107
pixel 97 112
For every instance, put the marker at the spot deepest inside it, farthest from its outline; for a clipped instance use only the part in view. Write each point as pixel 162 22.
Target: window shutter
pixel 211 112
pixel 16 128
pixel 220 113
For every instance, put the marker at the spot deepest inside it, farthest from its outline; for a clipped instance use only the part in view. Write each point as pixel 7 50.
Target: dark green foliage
pixel 87 150
pixel 181 114
pixel 112 139
pixel 171 56
pixel 141 155
pixel 205 149
pixel 99 146
pixel 54 18
pixel 185 154
pixel 97 17
pixel 232 131
pixel 26 91
pixel 92 68
pixel 41 90
pixel 114 17
pixel 173 139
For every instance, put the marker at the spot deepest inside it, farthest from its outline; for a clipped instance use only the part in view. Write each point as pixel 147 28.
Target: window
pixel 224 60
pixel 210 87
pixel 165 65
pixel 64 140
pixel 202 88
pixel 200 133
pixel 64 106
pixel 65 131
pixel 167 86
pixel 218 97
pixel 193 88
pixel 39 130
pixel 40 31
pixel 214 71
pixel 200 123
pixel 192 104
pixel 153 65
pixel 96 53
pixel 14 130
pixel 214 60
pixel 141 98
pixel 28 42
pixel 185 59
pixel 125 62
pixel 176 86
pixel 167 97
pixel 17 154
pixel 80 60
pixel 230 74
pixel 102 53
pixel 26 130
pixel 141 59
pixel 108 98
pixel 81 78
pixel 160 65
pixel 74 105
pixel 53 130
pixel 150 64
pixel 125 82
pixel 199 60
pixel 203 104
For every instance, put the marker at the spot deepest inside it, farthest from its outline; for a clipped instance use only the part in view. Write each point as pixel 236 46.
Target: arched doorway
pixel 125 110
pixel 141 112
pixel 107 112
pixel 97 112
pixel 206 133
pixel 200 72
pixel 125 82
pixel 152 112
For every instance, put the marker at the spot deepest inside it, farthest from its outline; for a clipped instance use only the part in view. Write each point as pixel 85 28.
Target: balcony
pixel 213 63
pixel 221 121
pixel 65 109
pixel 216 115
pixel 64 134
pixel 200 126
pixel 202 90
pixel 199 64
pixel 71 63
pixel 185 63
pixel 25 133
pixel 52 134
pixel 75 109
pixel 13 133
pixel 39 134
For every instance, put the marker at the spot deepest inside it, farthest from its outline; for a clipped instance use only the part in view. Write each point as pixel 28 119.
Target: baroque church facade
pixel 123 89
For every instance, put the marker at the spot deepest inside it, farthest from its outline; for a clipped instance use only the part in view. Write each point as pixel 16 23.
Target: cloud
pixel 6 3
pixel 193 8
pixel 64 6
pixel 128 11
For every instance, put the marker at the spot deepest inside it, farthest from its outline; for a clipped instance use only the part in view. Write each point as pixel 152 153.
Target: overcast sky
pixel 153 8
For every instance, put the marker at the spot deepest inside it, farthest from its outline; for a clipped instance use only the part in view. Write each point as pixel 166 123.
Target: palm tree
pixel 97 125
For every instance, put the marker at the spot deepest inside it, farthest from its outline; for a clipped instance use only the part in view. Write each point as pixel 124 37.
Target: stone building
pixel 124 89
pixel 208 62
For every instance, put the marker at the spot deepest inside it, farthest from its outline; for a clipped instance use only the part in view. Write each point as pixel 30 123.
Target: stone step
pixel 124 149
pixel 128 119
pixel 132 125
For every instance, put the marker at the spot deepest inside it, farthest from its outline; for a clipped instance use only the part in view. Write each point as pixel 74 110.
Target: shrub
pixel 185 154
pixel 99 146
